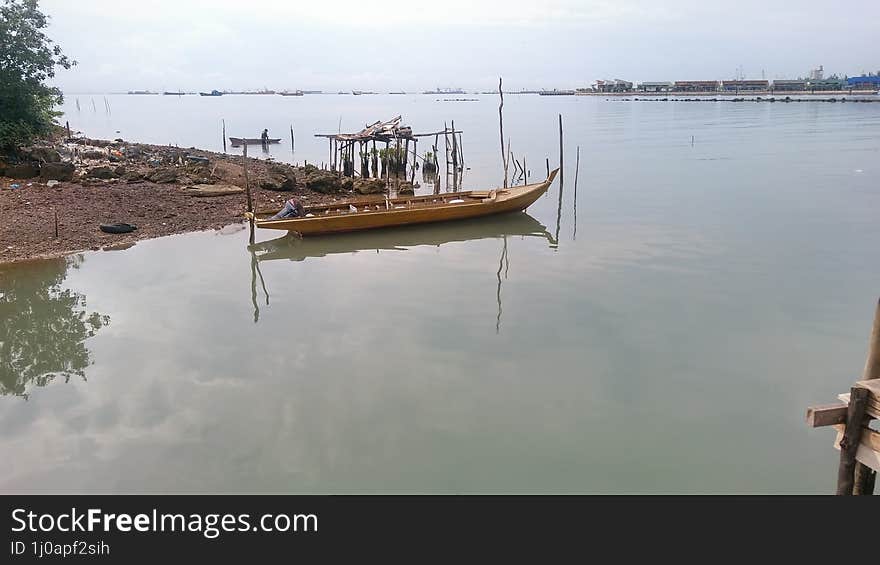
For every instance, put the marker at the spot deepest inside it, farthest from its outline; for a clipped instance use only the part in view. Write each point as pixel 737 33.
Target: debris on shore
pixel 73 186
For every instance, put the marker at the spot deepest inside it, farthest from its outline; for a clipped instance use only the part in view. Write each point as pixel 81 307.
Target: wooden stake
pixel 56 222
pixel 865 477
pixel 577 165
pixel 548 166
pixel 501 130
pixel 454 147
pixel 855 417
pixel 561 168
pixel 224 135
pixel 292 140
pixel 68 131
pixel 247 185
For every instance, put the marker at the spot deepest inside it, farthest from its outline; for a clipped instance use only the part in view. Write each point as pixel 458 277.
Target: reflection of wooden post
pixel 864 478
pixel 247 185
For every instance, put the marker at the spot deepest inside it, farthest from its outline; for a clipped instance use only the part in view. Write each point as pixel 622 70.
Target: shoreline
pixel 782 93
pixel 148 186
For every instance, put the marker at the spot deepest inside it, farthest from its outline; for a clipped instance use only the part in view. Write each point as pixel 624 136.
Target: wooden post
pixel 54 211
pixel 865 477
pixel 852 435
pixel 561 168
pixel 292 140
pixel 247 185
pixel 68 130
pixel 460 150
pixel 501 129
pixel 548 166
pixel 454 148
pixel 224 134
pixel 577 164
pixel 412 179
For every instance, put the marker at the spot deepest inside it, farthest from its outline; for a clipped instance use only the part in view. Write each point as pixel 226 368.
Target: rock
pixel 405 188
pixel 163 176
pixel 57 171
pixel 369 186
pixel 132 176
pixel 321 181
pixel 41 154
pixel 101 173
pixel 92 154
pixel 120 170
pixel 52 183
pixel 212 190
pixel 22 171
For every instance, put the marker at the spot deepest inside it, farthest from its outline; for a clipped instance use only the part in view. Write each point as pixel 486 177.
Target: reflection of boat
pixel 236 141
pixel 355 215
pixel 296 249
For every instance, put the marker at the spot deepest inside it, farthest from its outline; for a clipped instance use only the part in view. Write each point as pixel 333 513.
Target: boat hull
pixel 251 141
pixel 514 199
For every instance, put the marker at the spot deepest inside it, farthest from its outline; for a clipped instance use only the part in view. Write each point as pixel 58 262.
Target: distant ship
pixel 141 92
pixel 401 92
pixel 359 92
pixel 294 93
pixel 174 93
pixel 212 93
pixel 445 91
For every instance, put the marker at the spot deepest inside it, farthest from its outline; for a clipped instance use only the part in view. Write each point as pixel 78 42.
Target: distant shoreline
pixel 737 94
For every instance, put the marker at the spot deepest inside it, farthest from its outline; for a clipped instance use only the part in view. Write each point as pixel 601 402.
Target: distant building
pixel 615 85
pixel 655 87
pixel 798 85
pixel 695 86
pixel 817 74
pixel 870 81
pixel 826 84
pixel 745 85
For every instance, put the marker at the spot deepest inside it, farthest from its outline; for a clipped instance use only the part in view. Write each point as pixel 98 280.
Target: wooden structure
pixel 357 154
pixel 355 215
pixel 859 445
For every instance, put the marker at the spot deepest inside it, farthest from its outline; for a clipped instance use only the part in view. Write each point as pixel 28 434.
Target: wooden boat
pixel 355 215
pixel 291 248
pixel 236 141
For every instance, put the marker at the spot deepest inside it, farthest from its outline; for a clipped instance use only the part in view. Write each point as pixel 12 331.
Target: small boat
pixel 212 93
pixel 365 214
pixel 174 93
pixel 236 141
pixel 296 93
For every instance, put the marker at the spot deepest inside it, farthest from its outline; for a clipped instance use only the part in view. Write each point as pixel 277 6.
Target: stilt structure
pixel 859 445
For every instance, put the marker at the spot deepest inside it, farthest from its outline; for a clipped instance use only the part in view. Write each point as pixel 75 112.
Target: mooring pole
pixel 247 185
pixel 68 131
pixel 561 168
pixel 501 129
pixel 865 477
pixel 224 134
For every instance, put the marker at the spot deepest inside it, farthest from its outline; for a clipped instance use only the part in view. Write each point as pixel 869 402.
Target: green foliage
pixel 27 59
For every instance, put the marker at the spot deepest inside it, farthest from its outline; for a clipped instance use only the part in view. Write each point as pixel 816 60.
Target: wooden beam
pixel 868 452
pixel 826 415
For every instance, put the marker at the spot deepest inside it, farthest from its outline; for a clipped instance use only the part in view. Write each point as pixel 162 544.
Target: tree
pixel 27 58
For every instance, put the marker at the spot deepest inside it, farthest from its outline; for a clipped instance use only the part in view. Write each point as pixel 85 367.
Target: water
pixel 663 335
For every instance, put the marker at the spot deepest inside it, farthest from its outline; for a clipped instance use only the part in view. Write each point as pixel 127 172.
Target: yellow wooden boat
pixel 354 215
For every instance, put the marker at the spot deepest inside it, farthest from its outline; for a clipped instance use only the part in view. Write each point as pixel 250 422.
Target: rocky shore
pixel 161 190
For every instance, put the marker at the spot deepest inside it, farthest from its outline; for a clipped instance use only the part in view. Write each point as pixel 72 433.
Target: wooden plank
pixel 826 415
pixel 849 444
pixel 868 452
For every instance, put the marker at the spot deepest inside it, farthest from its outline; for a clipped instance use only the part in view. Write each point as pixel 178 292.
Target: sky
pixel 417 45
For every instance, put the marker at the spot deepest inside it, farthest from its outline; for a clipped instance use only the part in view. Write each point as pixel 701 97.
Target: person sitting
pixel 293 208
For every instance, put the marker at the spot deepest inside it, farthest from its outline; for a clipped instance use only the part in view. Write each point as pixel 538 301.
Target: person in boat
pixel 265 136
pixel 293 208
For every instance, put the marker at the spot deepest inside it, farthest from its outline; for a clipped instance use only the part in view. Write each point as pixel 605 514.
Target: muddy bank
pixel 159 189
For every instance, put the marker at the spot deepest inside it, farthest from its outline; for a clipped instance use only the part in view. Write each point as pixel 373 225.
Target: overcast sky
pixel 414 45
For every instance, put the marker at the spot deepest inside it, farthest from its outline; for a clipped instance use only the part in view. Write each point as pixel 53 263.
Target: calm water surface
pixel 660 330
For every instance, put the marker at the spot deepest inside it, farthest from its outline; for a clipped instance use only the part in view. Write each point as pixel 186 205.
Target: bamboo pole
pixel 501 129
pixel 454 147
pixel 247 185
pixel 865 477
pixel 561 168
